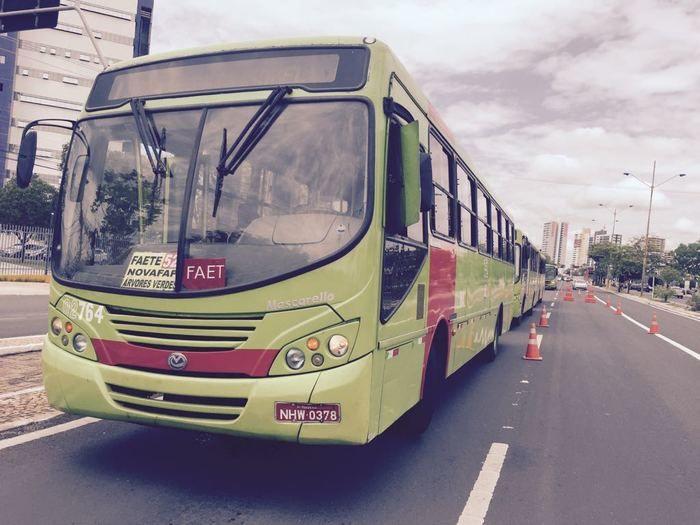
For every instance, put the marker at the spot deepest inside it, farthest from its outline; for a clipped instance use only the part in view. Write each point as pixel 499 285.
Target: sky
pixel 552 100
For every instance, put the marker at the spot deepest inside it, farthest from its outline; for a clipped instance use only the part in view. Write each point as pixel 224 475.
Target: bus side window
pixel 393 189
pixel 518 269
pixel 442 215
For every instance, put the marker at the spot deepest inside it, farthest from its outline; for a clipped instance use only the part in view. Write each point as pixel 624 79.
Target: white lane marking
pixel 507 427
pixel 539 340
pixel 525 382
pixel 21 392
pixel 552 305
pixel 549 314
pixel 480 497
pixel 32 436
pixel 679 346
pixel 670 341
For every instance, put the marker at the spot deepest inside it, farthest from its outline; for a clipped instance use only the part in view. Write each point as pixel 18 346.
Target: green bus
pixel 281 240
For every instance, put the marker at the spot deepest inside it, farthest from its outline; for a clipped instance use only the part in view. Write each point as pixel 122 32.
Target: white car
pixel 580 285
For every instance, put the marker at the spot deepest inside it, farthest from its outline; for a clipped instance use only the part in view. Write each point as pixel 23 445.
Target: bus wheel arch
pixel 491 351
pixel 418 418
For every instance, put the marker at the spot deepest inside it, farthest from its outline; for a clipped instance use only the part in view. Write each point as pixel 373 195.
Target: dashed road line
pixel 57 429
pixel 670 341
pixel 480 497
pixel 21 392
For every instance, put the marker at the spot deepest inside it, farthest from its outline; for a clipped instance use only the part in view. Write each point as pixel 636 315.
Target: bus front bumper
pixel 81 386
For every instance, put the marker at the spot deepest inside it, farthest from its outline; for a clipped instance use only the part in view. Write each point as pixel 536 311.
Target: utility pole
pixel 646 237
pixel 651 187
pixel 612 236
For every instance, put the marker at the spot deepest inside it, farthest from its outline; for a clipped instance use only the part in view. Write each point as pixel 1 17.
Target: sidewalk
pixel 666 307
pixel 8 288
pixel 22 397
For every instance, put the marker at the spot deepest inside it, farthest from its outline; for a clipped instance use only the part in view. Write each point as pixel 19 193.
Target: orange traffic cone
pixel 619 308
pixel 590 299
pixel 569 296
pixel 654 328
pixel 533 350
pixel 544 320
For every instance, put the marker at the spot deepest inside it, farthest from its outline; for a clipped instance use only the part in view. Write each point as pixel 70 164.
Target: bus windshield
pixel 300 196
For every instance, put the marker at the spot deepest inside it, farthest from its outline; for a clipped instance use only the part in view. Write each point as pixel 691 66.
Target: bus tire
pixel 417 419
pixel 491 351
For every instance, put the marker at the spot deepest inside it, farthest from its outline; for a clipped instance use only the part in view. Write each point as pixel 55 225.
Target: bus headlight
pixel 80 343
pixel 295 358
pixel 338 345
pixel 56 326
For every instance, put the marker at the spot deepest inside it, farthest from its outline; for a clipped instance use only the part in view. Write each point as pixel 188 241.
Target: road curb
pixel 669 309
pixel 31 343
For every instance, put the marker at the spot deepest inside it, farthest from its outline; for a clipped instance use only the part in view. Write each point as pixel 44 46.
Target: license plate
pixel 307 413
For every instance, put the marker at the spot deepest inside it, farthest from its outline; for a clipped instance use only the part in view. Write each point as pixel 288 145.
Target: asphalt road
pixel 23 315
pixel 605 430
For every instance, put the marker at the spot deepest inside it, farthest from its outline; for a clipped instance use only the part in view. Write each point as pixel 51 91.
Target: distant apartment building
pixel 554 239
pixel 657 245
pixel 562 241
pixel 47 73
pixel 581 246
pixel 550 234
pixel 601 236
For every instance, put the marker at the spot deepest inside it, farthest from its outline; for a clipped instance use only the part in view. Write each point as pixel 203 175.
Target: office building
pixel 47 73
pixel 581 245
pixel 657 244
pixel 562 241
pixel 554 240
pixel 550 235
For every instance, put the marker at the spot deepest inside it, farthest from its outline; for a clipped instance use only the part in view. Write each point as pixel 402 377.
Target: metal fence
pixel 25 250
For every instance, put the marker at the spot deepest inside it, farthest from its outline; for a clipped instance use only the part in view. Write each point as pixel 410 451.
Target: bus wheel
pixel 491 351
pixel 417 419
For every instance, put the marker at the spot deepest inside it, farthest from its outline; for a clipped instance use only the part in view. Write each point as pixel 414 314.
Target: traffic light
pixel 27 21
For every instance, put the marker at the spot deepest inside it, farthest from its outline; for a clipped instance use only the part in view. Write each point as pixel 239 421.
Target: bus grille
pixel 193 332
pixel 178 405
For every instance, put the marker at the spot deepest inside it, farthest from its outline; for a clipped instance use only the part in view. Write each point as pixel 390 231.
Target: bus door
pixel 404 286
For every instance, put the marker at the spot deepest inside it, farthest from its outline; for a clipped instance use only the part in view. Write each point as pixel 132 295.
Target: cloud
pixel 552 100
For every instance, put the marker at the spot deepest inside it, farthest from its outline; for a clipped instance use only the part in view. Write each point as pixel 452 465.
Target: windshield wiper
pixel 230 158
pixel 154 144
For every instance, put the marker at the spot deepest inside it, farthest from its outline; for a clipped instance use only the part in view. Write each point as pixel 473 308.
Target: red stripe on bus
pixel 441 296
pixel 250 362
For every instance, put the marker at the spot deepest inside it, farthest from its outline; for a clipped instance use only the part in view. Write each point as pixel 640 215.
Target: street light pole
pixel 651 187
pixel 646 237
pixel 608 275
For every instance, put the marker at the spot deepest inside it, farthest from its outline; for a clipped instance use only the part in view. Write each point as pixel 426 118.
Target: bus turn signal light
pixel 312 344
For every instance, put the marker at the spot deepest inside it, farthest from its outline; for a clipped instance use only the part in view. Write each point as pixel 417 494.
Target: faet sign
pixel 204 274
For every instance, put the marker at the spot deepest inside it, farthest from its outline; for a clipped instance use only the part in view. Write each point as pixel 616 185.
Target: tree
pixel 670 275
pixel 627 265
pixel 32 206
pixel 602 254
pixel 687 258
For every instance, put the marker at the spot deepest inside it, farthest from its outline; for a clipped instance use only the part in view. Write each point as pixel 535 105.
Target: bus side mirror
pixel 427 197
pixel 25 160
pixel 410 164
